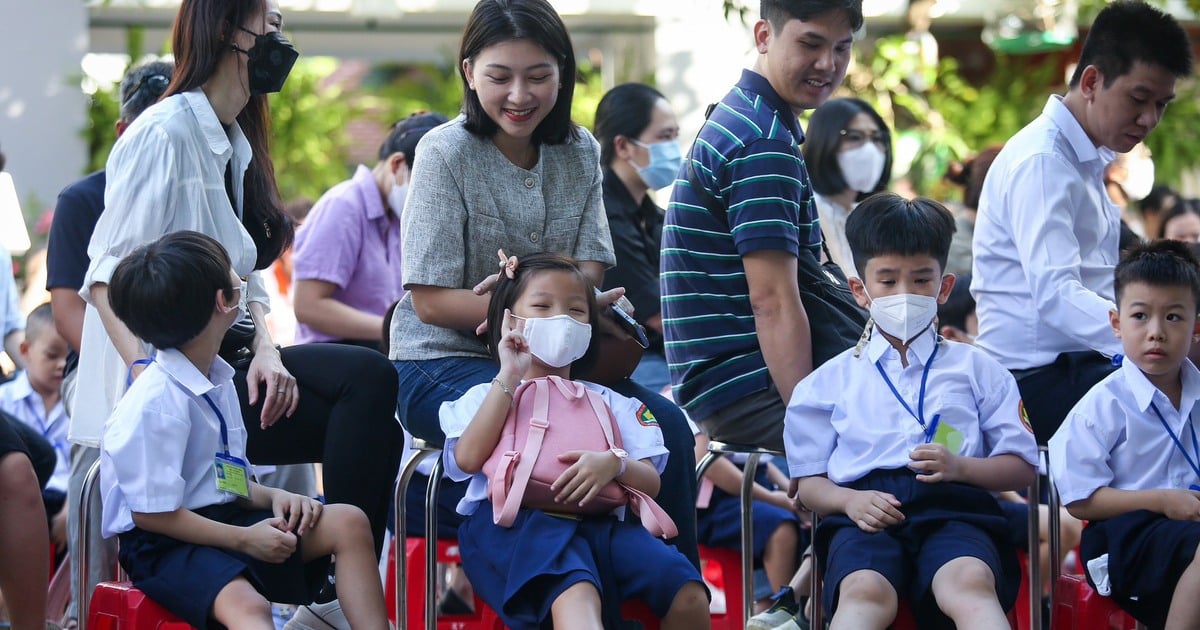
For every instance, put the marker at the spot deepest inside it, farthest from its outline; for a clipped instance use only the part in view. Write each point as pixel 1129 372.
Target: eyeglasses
pixel 155 85
pixel 857 137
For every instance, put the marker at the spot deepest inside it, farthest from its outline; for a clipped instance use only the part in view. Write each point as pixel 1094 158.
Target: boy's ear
pixel 948 281
pixel 859 290
pixel 1196 330
pixel 1114 320
pixel 24 346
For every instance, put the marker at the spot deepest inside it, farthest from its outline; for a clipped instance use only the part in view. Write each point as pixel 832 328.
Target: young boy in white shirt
pixel 196 534
pixel 33 397
pixel 900 442
pixel 1126 457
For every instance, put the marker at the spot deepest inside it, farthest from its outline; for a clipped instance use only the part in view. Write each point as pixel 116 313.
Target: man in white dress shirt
pixel 1046 236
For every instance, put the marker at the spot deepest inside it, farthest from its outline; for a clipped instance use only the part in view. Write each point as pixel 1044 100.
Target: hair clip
pixel 508 264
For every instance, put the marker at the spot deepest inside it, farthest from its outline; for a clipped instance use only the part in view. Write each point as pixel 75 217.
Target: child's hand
pixel 936 462
pixel 299 513
pixel 268 540
pixel 513 349
pixel 591 471
pixel 1181 505
pixel 874 511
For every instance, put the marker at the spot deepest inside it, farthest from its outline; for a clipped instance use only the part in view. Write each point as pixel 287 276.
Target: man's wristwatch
pixel 623 456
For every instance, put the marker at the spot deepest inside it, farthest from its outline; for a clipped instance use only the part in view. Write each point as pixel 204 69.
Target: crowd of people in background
pixel 1055 303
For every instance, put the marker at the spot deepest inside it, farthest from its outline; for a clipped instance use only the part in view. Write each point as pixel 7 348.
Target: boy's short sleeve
pixel 1002 417
pixel 808 433
pixel 147 453
pixel 1079 453
pixel 454 416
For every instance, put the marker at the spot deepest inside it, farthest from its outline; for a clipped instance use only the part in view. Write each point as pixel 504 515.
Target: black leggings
pixel 346 420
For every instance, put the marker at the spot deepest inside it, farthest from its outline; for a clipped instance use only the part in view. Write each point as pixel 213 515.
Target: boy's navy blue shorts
pixel 185 578
pixel 519 571
pixel 720 524
pixel 1147 553
pixel 942 522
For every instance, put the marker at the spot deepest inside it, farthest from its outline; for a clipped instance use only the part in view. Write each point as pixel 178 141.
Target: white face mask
pixel 1139 178
pixel 240 307
pixel 557 341
pixel 397 197
pixel 862 167
pixel 903 316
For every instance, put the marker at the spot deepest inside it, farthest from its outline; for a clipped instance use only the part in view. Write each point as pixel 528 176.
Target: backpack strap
pixel 504 510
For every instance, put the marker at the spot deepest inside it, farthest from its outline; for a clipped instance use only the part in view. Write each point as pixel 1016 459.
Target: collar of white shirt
pixel 219 141
pixel 1143 390
pixel 181 370
pixel 919 350
pixel 1085 149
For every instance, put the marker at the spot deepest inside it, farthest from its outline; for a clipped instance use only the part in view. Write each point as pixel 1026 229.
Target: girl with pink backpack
pixel 574 559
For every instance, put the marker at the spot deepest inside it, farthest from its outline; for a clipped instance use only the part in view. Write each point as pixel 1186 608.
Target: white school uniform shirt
pixel 640 436
pixel 161 441
pixel 844 421
pixel 18 399
pixel 166 173
pixel 1045 245
pixel 1112 438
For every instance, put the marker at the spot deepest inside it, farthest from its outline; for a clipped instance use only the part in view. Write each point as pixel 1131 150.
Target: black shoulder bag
pixel 834 317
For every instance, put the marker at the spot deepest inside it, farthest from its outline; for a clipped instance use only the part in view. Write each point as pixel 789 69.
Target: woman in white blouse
pixel 198 160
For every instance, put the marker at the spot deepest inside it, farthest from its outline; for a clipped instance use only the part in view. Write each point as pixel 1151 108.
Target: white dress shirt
pixel 641 441
pixel 844 421
pixel 162 439
pixel 18 399
pixel 166 173
pixel 1112 438
pixel 1045 245
pixel 833 230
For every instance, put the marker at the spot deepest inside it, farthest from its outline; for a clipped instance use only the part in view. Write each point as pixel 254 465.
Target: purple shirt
pixel 351 240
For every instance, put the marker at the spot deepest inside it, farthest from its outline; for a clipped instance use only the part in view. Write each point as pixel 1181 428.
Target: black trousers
pixel 346 420
pixel 1049 392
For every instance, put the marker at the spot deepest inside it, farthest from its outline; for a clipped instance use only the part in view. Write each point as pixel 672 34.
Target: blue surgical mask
pixel 665 159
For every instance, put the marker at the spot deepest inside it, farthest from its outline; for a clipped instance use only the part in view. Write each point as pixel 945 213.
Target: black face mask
pixel 269 61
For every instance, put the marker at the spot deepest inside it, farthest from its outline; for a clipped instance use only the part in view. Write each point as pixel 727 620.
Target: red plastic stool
pixel 120 606
pixel 723 568
pixel 1077 606
pixel 483 618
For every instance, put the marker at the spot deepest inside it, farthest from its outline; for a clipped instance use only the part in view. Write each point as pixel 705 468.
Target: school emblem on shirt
pixel 1024 414
pixel 645 418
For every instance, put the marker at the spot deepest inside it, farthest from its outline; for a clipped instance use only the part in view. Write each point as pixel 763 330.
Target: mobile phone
pixel 629 324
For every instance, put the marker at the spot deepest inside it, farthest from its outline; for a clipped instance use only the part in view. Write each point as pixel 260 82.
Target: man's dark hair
pixel 143 86
pixel 165 291
pixel 778 12
pixel 406 133
pixel 1127 32
pixel 958 306
pixel 1160 263
pixel 888 224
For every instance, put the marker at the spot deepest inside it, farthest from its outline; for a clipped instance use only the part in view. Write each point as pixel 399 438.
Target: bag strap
pixel 715 206
pixel 527 455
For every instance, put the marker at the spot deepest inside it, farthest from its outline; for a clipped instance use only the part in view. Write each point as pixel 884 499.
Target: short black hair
pixel 508 291
pixel 1181 207
pixel 164 291
pixel 959 304
pixel 406 133
pixel 888 224
pixel 625 110
pixel 39 320
pixel 497 21
pixel 142 87
pixel 1157 200
pixel 1130 31
pixel 823 138
pixel 778 12
pixel 1160 263
pixel 971 173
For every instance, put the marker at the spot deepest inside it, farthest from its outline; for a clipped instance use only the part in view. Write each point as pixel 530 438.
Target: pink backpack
pixel 550 416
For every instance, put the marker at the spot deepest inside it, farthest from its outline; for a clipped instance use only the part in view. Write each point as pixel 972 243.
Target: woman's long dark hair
pixel 201 36
pixel 625 110
pixel 496 21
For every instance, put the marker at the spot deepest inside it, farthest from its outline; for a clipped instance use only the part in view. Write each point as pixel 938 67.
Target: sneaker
pixel 779 613
pixel 327 616
pixel 796 622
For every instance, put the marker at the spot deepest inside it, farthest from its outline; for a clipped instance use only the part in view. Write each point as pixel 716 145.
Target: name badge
pixel 232 475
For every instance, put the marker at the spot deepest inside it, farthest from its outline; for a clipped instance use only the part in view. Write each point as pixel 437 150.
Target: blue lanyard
pixel 1174 438
pixel 129 372
pixel 931 429
pixel 221 419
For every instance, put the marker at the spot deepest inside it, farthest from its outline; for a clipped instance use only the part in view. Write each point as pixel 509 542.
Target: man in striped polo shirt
pixel 737 337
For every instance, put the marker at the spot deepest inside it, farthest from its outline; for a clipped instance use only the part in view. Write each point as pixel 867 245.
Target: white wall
pixel 42 110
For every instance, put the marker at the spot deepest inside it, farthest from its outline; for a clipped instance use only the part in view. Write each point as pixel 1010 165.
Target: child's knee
pixel 239 600
pixel 965 575
pixel 786 534
pixel 348 520
pixel 691 597
pixel 867 585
